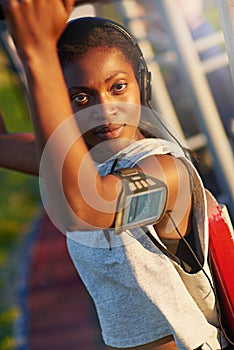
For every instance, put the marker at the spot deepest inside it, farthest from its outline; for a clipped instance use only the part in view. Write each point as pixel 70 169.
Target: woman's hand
pixel 36 25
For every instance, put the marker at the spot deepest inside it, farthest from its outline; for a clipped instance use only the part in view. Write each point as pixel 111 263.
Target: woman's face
pixel 105 93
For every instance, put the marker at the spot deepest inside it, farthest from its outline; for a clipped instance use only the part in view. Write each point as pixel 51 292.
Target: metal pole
pixel 226 13
pixel 209 118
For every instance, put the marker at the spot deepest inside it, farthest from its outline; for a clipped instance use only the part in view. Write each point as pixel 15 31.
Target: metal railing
pixel 184 53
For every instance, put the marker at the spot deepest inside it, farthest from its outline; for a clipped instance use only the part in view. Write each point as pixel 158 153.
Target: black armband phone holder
pixel 142 200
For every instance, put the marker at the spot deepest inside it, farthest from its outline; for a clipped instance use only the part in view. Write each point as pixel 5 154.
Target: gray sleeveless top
pixel 139 293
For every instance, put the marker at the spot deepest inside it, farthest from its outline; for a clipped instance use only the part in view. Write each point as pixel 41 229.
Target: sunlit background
pixel 184 47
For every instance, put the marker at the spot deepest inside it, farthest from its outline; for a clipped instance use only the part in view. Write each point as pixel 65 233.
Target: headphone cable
pixel 185 150
pixel 211 283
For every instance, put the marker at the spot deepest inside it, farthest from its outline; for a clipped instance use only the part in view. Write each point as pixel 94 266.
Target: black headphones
pixel 83 25
pixel 144 76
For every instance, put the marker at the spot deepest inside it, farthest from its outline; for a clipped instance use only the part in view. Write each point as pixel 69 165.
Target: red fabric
pixel 221 249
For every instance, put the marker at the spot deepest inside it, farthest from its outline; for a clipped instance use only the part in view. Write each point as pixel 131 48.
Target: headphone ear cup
pixel 145 85
pixel 149 86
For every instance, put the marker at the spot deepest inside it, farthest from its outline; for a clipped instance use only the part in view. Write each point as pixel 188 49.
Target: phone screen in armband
pixel 142 200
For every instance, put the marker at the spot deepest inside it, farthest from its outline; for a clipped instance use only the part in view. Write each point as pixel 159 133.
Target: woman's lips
pixel 109 131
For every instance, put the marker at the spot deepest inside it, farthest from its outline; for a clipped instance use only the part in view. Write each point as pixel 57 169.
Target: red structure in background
pixel 221 249
pixel 61 313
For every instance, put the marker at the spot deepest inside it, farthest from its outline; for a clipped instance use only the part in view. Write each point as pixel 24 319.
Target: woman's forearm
pixel 61 157
pixel 18 152
pixel 65 156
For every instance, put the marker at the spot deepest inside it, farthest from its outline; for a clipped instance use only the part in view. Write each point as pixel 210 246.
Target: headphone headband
pixel 84 25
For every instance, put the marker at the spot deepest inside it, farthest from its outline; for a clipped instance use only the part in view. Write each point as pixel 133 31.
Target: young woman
pixel 147 297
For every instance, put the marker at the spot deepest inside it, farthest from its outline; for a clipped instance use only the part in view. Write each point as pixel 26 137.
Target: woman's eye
pixel 119 88
pixel 80 99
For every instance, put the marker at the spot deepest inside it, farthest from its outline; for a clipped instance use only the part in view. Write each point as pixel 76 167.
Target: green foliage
pixel 19 194
pixel 7 317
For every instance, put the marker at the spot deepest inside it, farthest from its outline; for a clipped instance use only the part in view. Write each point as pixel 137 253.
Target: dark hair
pixel 89 32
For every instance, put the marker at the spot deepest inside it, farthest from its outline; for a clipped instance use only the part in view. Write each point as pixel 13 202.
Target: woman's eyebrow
pixel 81 87
pixel 114 74
pixel 75 87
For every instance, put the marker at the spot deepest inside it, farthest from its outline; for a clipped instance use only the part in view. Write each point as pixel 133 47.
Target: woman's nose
pixel 105 110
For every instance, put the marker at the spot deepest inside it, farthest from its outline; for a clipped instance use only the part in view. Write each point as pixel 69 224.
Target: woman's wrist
pixel 39 58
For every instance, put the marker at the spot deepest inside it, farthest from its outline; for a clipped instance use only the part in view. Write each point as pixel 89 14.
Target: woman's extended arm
pixel 17 150
pixel 35 28
pixel 81 197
